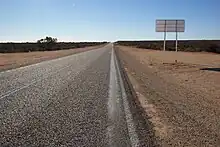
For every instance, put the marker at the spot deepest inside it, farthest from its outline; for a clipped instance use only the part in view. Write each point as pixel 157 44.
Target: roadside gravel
pixel 182 115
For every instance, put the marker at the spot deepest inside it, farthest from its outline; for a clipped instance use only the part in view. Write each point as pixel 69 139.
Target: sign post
pixel 176 37
pixel 165 33
pixel 164 42
pixel 170 26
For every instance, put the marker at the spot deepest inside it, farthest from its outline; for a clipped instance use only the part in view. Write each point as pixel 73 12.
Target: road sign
pixel 170 26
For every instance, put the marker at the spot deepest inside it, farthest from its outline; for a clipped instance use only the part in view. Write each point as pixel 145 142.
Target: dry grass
pixel 14 60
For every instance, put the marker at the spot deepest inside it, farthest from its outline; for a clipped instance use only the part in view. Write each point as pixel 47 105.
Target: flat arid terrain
pixel 180 92
pixel 15 60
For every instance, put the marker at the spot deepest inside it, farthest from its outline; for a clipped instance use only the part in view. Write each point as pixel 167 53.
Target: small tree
pixel 47 43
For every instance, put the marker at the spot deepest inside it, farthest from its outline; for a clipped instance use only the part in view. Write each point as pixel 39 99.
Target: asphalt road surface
pixel 79 100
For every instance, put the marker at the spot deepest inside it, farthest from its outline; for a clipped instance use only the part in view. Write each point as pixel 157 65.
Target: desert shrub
pixel 47 44
pixel 183 45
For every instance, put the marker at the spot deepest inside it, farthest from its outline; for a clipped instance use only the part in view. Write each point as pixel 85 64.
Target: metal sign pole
pixel 176 38
pixel 176 42
pixel 164 44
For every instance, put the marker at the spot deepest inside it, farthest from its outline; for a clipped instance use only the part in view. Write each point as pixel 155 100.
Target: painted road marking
pixel 135 142
pixel 32 83
pixel 111 100
pixel 113 84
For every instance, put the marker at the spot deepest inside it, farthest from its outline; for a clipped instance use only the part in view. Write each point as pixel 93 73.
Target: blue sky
pixel 110 20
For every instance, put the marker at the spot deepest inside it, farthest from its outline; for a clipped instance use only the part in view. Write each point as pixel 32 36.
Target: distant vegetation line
pixel 183 45
pixel 47 44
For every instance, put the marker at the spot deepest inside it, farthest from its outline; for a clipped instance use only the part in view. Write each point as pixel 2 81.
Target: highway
pixel 78 100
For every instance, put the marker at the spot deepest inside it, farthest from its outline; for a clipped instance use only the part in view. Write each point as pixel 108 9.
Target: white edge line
pixel 16 90
pixel 135 142
pixel 26 86
pixel 111 97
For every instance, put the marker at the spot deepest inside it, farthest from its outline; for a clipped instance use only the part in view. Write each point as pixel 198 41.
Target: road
pixel 79 100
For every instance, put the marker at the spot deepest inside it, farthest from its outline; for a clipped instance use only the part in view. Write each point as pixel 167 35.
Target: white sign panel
pixel 170 25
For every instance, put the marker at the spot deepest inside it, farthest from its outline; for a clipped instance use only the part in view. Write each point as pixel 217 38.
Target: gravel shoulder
pixel 15 60
pixel 180 93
